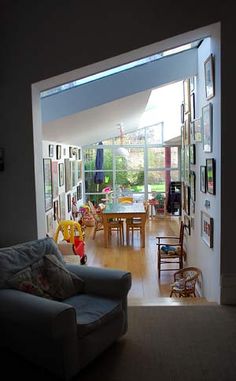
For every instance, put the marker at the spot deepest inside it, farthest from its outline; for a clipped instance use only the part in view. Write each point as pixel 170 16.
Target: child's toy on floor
pixel 72 234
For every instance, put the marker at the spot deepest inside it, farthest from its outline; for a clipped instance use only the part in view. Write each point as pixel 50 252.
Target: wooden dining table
pixel 118 210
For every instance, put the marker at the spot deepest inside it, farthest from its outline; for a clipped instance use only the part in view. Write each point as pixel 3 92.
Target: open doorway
pixel 37 88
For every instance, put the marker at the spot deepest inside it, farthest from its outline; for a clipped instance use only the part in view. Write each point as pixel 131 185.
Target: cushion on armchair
pixel 47 278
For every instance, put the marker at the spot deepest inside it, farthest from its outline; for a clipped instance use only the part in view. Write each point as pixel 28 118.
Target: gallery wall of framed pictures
pixel 198 164
pixel 62 169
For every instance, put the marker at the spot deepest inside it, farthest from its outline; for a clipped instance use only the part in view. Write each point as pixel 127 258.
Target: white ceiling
pixel 98 123
pixel 109 102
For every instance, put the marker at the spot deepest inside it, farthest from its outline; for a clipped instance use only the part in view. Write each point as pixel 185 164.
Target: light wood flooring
pixel 146 288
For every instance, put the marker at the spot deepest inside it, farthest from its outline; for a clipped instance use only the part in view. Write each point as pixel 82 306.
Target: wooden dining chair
pixel 170 250
pixel 135 224
pixel 126 199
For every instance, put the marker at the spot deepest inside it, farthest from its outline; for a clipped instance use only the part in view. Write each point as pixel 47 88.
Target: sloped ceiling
pixel 94 111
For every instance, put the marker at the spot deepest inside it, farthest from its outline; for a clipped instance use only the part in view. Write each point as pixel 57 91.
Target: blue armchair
pixel 62 336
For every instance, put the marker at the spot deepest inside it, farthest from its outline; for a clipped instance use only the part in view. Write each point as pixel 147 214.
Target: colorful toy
pixel 72 233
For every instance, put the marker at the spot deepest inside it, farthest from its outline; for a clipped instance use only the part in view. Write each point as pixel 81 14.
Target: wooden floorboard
pixel 146 288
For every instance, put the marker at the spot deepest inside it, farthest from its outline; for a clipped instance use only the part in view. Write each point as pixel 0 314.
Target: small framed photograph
pixel 182 113
pixel 58 149
pixel 68 202
pixel 192 154
pixel 197 130
pixel 55 210
pixel 47 176
pixel 187 130
pixel 192 180
pixel 186 95
pixel 186 164
pixel 61 174
pixel 192 106
pixel 187 199
pixel 49 218
pixel 203 178
pixel 207 127
pixel 79 191
pixel 210 176
pixel 207 229
pixel 71 152
pixel 50 150
pixel 187 224
pixel 209 77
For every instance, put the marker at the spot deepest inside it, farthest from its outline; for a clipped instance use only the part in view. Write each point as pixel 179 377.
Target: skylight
pixel 118 69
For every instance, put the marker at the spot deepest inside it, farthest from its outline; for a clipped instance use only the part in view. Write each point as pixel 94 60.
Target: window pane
pixel 156 181
pixel 136 137
pixel 135 160
pixel 90 159
pixel 154 134
pixel 174 157
pixel 130 181
pixel 174 175
pixel 91 187
pixel 156 158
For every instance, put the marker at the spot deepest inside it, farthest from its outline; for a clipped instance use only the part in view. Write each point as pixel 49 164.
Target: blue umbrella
pixel 99 175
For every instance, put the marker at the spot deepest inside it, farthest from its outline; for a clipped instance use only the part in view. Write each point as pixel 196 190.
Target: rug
pixel 163 343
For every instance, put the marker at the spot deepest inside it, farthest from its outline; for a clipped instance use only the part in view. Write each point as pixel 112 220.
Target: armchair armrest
pixel 106 282
pixel 45 316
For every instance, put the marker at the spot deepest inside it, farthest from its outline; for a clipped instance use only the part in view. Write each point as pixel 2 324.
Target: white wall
pixel 199 254
pixel 62 195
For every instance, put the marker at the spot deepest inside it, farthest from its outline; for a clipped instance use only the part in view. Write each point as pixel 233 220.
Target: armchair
pixel 62 336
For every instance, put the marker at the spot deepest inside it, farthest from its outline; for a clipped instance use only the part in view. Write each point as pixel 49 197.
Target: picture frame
pixel 69 202
pixel 187 199
pixel 182 113
pixel 187 130
pixel 203 178
pixel 49 218
pixel 47 177
pixel 55 210
pixel 79 191
pixel 58 151
pixel 68 180
pixel 186 164
pixel 187 224
pixel 61 174
pixel 207 127
pixel 192 106
pixel 192 154
pixel 50 150
pixel 197 130
pixel 62 206
pixel 210 176
pixel 207 229
pixel 54 179
pixel 186 85
pixel 192 180
pixel 209 77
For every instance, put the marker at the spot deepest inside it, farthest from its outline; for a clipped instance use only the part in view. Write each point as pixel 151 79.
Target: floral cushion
pixel 48 278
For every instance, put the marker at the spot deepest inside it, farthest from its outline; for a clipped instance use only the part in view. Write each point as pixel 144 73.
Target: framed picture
pixel 207 127
pixel 209 77
pixel 50 223
pixel 55 210
pixel 203 178
pixel 79 191
pixel 187 224
pixel 71 152
pixel 182 113
pixel 58 152
pixel 210 176
pixel 79 169
pixel 192 83
pixel 192 180
pixel 67 164
pixel 187 130
pixel 197 130
pixel 192 154
pixel 187 199
pixel 61 174
pixel 186 95
pixel 207 229
pixel 192 106
pixel 74 172
pixel 54 179
pixel 62 206
pixel 50 150
pixel 69 202
pixel 186 164
pixel 47 177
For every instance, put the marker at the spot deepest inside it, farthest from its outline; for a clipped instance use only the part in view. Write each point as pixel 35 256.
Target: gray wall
pixel 41 39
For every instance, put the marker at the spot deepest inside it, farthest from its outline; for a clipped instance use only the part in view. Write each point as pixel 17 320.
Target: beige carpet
pixel 194 343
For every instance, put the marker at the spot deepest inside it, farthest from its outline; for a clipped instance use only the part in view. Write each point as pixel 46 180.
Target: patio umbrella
pixel 99 174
